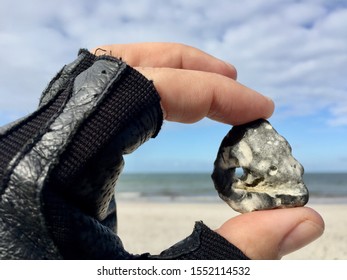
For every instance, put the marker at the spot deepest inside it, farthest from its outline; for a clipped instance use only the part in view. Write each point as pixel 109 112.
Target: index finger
pixel 168 55
pixel 188 96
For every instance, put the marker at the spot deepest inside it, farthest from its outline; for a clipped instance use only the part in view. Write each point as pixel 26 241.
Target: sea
pixel 326 188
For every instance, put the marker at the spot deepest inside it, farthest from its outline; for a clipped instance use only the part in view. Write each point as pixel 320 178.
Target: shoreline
pixel 153 226
pixel 138 197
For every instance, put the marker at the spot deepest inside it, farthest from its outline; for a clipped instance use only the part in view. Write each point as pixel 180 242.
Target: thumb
pixel 271 234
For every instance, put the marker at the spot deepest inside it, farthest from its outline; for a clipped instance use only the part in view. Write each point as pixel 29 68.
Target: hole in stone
pixel 241 173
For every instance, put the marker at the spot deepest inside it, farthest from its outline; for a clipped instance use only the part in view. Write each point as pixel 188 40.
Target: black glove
pixel 59 165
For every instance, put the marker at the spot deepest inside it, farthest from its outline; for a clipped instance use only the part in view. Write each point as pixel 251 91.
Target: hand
pixel 193 85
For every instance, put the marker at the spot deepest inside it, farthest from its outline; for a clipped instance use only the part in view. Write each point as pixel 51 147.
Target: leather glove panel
pixel 60 177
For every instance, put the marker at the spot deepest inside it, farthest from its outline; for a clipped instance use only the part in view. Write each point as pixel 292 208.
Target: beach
pixel 152 226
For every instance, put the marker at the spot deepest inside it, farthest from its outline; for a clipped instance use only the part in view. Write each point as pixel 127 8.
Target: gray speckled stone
pixel 272 177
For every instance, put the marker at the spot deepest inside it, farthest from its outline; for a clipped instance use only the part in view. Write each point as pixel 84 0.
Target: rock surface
pixel 272 177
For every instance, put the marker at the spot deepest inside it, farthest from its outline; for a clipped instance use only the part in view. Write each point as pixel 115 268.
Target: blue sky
pixel 293 51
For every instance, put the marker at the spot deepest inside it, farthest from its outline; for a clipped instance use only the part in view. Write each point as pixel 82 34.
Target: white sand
pixel 155 226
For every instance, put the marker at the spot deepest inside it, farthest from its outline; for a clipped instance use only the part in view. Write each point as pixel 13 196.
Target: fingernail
pixel 229 64
pixel 301 235
pixel 269 98
pixel 232 67
pixel 271 106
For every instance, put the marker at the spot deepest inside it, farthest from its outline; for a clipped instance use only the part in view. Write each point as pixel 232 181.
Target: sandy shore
pixel 154 226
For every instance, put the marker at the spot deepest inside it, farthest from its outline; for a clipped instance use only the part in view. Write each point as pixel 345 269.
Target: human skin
pixel 192 85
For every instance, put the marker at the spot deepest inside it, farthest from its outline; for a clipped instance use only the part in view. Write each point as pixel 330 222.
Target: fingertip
pixel 313 216
pixel 309 229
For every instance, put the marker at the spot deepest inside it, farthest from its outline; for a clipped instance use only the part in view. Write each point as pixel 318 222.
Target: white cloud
pixel 294 51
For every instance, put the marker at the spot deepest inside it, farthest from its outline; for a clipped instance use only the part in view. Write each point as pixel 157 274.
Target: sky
pixel 292 51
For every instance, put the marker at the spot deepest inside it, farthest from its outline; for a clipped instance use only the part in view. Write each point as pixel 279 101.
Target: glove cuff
pixel 203 244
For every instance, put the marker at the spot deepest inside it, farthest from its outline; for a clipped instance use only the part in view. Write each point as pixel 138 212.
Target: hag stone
pixel 272 177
